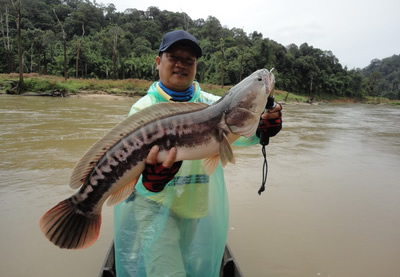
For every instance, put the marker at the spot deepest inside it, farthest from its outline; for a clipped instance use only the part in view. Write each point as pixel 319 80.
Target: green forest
pixel 84 39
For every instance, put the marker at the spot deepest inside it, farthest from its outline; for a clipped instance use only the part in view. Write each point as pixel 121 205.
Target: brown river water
pixel 331 207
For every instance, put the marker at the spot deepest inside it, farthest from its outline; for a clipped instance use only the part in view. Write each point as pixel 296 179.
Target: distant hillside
pixel 384 77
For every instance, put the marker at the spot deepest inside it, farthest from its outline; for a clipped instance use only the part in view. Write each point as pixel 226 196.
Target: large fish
pixel 112 166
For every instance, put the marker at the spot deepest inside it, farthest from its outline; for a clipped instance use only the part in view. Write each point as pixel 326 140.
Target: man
pixel 176 221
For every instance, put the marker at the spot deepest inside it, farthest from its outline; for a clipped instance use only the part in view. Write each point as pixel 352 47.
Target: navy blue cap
pixel 182 37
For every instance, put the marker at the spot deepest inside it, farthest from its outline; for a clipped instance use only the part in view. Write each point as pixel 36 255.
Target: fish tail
pixel 67 227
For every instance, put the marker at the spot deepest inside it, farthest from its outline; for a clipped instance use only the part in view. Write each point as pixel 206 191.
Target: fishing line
pixel 264 170
pixel 264 141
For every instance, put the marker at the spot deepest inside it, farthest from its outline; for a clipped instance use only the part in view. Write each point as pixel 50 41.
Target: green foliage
pixel 102 43
pixel 35 84
pixel 39 85
pixel 383 77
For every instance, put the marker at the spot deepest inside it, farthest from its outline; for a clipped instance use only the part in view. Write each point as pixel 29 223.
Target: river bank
pixel 290 101
pixel 55 86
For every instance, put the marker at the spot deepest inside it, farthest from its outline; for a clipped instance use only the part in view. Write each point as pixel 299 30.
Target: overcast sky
pixel 356 31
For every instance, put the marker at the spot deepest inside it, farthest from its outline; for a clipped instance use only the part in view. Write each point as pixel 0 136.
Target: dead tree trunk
pixel 64 36
pixel 115 55
pixel 17 6
pixel 78 49
pixel 5 31
pixel 222 61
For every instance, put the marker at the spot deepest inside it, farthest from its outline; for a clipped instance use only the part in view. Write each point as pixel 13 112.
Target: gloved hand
pixel 270 123
pixel 157 175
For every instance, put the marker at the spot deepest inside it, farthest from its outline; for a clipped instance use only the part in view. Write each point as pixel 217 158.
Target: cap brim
pixel 196 48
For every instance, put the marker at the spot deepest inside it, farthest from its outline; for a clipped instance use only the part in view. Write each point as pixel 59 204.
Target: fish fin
pixel 123 193
pixel 155 112
pixel 225 151
pixel 210 164
pixel 232 137
pixel 225 155
pixel 67 227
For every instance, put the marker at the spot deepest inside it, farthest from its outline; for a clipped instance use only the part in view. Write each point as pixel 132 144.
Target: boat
pixel 229 266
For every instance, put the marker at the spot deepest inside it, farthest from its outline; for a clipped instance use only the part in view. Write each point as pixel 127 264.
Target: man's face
pixel 177 67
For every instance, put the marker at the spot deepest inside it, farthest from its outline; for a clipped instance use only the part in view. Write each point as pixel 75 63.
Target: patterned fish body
pixel 112 166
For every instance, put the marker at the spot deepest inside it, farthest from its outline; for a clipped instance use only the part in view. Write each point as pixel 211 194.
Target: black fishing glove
pixel 156 176
pixel 269 127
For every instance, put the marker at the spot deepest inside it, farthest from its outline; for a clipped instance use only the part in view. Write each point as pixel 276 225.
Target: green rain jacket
pixel 181 230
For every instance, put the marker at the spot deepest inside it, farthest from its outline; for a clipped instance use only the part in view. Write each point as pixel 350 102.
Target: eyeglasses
pixel 185 61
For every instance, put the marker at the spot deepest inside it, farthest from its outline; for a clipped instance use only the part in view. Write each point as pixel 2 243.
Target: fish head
pixel 247 102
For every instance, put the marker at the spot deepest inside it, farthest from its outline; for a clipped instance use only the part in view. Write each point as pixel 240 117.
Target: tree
pixel 374 82
pixel 115 32
pixel 222 62
pixel 8 47
pixel 17 7
pixel 78 50
pixel 46 39
pixel 64 40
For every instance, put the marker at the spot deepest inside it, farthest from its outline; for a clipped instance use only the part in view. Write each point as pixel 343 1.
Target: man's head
pixel 181 37
pixel 177 60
